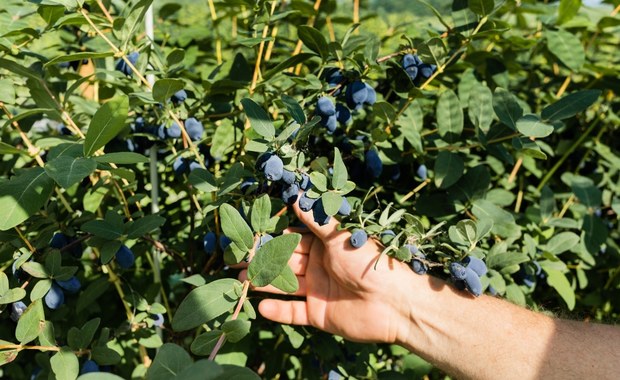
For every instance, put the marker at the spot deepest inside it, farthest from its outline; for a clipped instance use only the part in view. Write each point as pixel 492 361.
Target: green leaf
pixel 340 175
pixel 562 242
pixel 259 120
pixel 205 303
pixel 238 373
pixel 99 376
pixel 12 295
pixel 163 89
pixel 105 355
pixel 559 282
pixel 31 323
pixel 168 363
pixel 480 107
pixel 107 123
pixel 295 338
pixel 10 149
pixel 319 181
pixel 102 229
pixel 286 281
pixel 449 116
pixel 235 227
pixel 503 221
pixel 531 126
pixel 77 57
pixel 567 10
pixel 314 40
pixel 35 269
pixel 481 7
pixel 271 259
pixel 65 364
pixel 570 105
pixel 506 107
pixel 7 356
pixel 40 289
pixel 297 113
pixel 448 169
pixel 4 283
pixel 289 62
pixel 566 47
pixel 261 213
pixel 145 225
pixel 67 171
pixel 121 158
pixel 23 195
pixel 236 330
pixel 585 190
pixel 331 202
pixel 203 180
pixel 204 343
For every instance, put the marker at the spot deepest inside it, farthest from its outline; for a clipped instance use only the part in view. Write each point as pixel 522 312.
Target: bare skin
pixel 476 338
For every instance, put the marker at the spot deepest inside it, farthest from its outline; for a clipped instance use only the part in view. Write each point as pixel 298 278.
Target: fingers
pixel 322 232
pixel 287 312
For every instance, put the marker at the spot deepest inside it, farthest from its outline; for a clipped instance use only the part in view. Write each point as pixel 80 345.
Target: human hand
pixel 344 293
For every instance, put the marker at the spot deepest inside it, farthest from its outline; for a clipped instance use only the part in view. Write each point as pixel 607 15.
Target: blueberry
pixel 426 71
pixel 273 168
pixel 180 166
pixel 412 248
pixel 476 265
pixel 159 320
pixel 288 177
pixel 358 238
pixel 161 132
pixel 419 267
pixel 71 285
pixel 345 207
pixel 409 60
pixel 472 281
pixel 123 67
pixel 63 130
pixel 458 271
pixel 371 96
pixel 59 240
pixel 333 76
pixel 325 107
pixel 305 202
pixel 343 115
pixel 89 366
pixel 125 257
pixel 193 165
pixel 356 94
pixel 262 240
pixel 422 172
pixel 208 242
pixel 492 290
pixel 224 242
pixel 412 72
pixel 179 97
pixel 17 309
pixel 374 166
pixel 174 131
pixel 330 123
pixel 194 129
pixel 139 125
pixel 290 194
pixel 54 297
pixel 319 214
pixel 305 183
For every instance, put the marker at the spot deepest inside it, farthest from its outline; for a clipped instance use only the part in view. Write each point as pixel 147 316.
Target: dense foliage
pixel 476 142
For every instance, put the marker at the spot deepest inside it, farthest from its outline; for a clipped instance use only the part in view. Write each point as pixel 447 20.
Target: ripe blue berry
pixel 476 265
pixel 356 94
pixel 174 131
pixel 371 96
pixel 17 309
pixel 409 60
pixel 194 129
pixel 333 76
pixel 343 115
pixel 412 72
pixel 71 285
pixel 224 242
pixel 193 165
pixel 374 166
pixel 125 257
pixel 288 177
pixel 325 107
pixel 472 281
pixel 305 202
pixel 179 97
pixel 159 320
pixel 123 67
pixel 290 194
pixel 492 290
pixel 208 242
pixel 458 271
pixel 59 240
pixel 319 214
pixel 345 207
pixel 180 166
pixel 263 239
pixel 274 168
pixel 305 183
pixel 422 172
pixel 89 366
pixel 412 248
pixel 358 238
pixel 419 267
pixel 54 297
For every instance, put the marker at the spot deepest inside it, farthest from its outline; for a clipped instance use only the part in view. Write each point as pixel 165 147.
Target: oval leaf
pixel 107 122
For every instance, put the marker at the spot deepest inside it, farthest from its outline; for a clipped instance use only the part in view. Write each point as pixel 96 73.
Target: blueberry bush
pixel 148 148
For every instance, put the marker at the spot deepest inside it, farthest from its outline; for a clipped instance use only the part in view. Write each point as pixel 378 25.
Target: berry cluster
pixel 123 67
pixel 417 70
pixel 467 274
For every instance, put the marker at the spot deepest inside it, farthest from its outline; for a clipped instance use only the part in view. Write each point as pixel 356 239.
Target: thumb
pixel 323 232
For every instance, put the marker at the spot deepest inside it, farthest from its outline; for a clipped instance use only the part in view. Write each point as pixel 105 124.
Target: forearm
pixel 487 338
